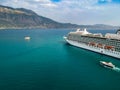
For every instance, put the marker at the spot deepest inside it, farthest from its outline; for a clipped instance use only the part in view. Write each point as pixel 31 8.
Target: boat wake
pixel 116 69
pixel 110 65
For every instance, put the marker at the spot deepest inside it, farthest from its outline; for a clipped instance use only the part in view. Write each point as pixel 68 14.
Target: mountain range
pixel 20 18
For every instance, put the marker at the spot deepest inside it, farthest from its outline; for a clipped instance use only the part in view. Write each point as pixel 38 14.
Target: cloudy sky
pixel 73 11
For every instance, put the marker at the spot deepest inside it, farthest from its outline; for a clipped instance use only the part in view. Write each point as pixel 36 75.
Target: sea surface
pixel 47 62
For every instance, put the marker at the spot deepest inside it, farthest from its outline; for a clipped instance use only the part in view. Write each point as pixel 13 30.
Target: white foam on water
pixel 116 69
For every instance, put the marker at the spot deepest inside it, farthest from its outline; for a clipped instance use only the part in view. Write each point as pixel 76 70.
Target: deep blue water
pixel 46 62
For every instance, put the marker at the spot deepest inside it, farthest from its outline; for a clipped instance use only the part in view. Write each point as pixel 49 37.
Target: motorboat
pixel 27 38
pixel 107 64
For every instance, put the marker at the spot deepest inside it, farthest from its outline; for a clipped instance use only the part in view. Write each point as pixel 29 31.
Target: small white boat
pixel 64 37
pixel 27 38
pixel 107 64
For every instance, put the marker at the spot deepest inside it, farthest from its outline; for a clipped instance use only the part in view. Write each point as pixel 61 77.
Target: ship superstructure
pixel 108 44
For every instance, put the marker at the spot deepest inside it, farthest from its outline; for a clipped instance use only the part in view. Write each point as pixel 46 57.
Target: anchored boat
pixel 27 38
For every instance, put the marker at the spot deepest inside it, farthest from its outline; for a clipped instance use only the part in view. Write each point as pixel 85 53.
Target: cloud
pixel 73 11
pixel 16 1
pixel 44 3
pixel 48 5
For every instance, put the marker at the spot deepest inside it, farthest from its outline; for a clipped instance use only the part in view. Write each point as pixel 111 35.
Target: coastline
pixel 18 28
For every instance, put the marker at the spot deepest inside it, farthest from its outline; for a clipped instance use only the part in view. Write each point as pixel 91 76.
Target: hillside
pixel 17 18
pixel 23 18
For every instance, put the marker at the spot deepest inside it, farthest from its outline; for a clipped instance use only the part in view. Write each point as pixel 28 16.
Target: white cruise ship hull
pixel 95 49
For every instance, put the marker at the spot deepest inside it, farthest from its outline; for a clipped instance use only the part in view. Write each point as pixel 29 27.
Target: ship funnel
pixel 85 31
pixel 78 30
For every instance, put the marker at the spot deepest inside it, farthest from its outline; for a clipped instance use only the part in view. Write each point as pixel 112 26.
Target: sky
pixel 82 12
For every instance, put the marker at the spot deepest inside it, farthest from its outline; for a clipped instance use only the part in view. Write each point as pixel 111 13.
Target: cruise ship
pixel 108 44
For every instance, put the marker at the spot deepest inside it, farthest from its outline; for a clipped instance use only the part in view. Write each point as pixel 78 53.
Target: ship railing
pixel 114 52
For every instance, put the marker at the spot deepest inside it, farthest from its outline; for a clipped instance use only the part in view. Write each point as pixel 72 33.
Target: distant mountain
pixel 17 18
pixel 103 26
pixel 24 18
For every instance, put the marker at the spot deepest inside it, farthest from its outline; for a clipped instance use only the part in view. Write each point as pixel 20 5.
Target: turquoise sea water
pixel 46 62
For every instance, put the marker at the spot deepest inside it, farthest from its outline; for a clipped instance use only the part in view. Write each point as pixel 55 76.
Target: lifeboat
pixel 92 44
pixel 109 47
pixel 100 45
